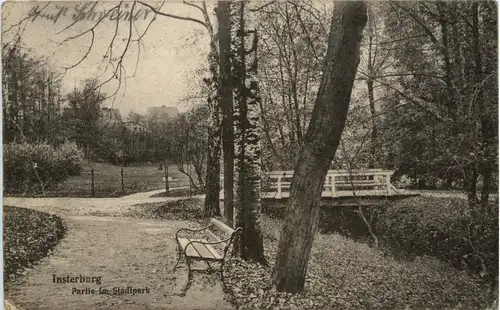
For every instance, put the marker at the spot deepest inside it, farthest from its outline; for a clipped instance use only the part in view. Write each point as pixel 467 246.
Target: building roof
pixel 163 113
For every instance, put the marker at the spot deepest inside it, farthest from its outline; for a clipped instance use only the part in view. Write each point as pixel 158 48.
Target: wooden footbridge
pixel 341 187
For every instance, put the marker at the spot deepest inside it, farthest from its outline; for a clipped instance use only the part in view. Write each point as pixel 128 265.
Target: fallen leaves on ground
pixel 343 274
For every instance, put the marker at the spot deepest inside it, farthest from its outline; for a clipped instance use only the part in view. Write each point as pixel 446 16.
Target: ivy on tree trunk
pixel 211 207
pixel 247 134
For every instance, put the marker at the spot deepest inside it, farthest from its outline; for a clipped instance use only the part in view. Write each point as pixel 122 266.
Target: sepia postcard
pixel 257 154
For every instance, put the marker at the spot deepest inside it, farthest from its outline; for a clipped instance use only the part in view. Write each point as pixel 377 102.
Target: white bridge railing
pixel 338 183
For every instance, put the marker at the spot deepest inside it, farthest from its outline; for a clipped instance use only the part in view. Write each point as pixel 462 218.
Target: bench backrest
pixel 222 226
pixel 226 229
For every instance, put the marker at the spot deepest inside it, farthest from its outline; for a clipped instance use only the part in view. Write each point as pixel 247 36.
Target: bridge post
pixel 388 182
pixel 333 186
pixel 278 184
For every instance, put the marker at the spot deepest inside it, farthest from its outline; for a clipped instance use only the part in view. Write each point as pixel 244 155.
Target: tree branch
pixel 156 11
pixel 418 102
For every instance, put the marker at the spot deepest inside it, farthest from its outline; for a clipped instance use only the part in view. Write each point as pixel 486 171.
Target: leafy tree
pixel 293 44
pixel 136 118
pixel 184 141
pixel 83 114
pixel 31 99
pixel 445 64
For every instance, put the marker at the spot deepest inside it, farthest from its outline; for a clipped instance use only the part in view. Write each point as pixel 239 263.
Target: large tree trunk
pixel 320 144
pixel 247 137
pixel 226 104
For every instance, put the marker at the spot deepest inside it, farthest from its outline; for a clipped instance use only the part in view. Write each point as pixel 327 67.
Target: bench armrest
pixel 230 239
pixel 208 242
pixel 192 230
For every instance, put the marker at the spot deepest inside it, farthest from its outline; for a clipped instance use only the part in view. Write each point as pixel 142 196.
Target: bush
pixel 71 158
pixel 31 168
pixel 28 236
pixel 444 228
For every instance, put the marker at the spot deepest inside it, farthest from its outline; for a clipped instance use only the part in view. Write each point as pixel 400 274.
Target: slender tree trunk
pixel 486 126
pixel 373 113
pixel 445 50
pixel 212 186
pixel 226 104
pixel 211 207
pixel 471 186
pixel 267 130
pixel 293 72
pixel 369 85
pixel 320 144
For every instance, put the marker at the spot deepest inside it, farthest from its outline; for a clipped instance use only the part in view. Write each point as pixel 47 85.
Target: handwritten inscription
pixel 88 12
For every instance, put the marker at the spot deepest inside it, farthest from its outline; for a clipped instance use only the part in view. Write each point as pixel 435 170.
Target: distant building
pixel 162 114
pixel 135 127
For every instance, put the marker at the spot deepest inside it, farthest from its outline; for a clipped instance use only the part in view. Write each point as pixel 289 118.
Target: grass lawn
pixel 107 181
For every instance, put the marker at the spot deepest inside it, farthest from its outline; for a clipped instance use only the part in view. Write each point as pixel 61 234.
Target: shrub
pixel 71 158
pixel 28 236
pixel 444 228
pixel 29 168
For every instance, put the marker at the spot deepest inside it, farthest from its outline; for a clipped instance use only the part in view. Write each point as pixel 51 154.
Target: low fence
pixel 103 180
pixel 129 182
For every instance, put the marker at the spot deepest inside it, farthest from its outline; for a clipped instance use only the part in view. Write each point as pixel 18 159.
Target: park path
pixel 124 251
pixel 87 206
pixel 146 195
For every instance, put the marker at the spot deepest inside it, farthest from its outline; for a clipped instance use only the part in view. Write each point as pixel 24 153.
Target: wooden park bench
pixel 208 250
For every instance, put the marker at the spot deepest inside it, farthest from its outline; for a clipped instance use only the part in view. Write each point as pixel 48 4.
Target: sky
pixel 163 69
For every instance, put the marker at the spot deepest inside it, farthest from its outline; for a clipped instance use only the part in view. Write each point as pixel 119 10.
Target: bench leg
pixel 227 289
pixel 210 266
pixel 222 275
pixel 189 267
pixel 179 255
pixel 190 276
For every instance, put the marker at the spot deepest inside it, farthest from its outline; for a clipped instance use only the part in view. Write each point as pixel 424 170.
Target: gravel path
pixel 123 251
